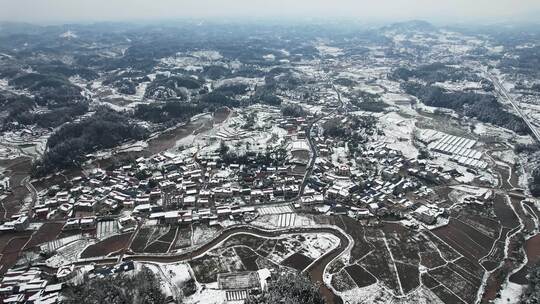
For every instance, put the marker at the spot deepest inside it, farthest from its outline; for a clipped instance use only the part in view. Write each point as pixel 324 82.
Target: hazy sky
pixel 38 11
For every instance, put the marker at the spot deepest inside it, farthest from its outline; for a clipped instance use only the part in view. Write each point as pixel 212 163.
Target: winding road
pixel 315 270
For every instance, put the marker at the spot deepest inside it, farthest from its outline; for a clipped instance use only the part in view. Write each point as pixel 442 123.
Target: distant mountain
pixel 411 26
pixel 12 28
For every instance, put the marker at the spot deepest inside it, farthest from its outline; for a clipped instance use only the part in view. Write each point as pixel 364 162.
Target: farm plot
pixel 265 263
pixel 465 239
pixel 479 221
pixel 504 213
pixel 491 261
pixel 163 243
pixel 106 229
pixel 52 245
pixel 297 261
pixel 446 295
pixel 315 245
pixel 267 247
pixel 69 253
pixel 532 249
pixel 430 255
pixel 204 233
pixel 428 281
pixel 248 257
pixel 404 247
pixel 207 267
pixel 409 276
pixel 146 236
pixel 284 248
pixel 471 267
pixel 342 281
pixel 360 276
pixel 380 263
pixel 533 210
pixel 461 286
pixel 10 252
pixel 183 238
pixel 403 243
pixel 109 245
pixel 361 246
pixel 47 232
pixel 275 210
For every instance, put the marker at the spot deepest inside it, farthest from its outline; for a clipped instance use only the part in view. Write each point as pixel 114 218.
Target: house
pixel 21 223
pixel 71 224
pixel 427 214
pixel 65 273
pixel 87 223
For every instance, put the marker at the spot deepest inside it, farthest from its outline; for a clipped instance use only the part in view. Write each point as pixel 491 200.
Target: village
pixel 320 164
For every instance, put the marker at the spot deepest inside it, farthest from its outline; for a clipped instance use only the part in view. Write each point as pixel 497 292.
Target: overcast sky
pixel 39 11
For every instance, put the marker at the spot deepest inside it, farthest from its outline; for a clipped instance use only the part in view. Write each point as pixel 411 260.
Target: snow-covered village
pixel 389 164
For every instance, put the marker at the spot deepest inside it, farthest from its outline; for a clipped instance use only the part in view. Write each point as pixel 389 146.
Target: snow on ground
pixel 274 221
pixel 318 244
pixel 398 133
pixel 69 35
pixel 376 293
pixel 368 294
pixel 265 134
pixel 69 253
pixel 203 234
pixel 207 296
pixel 329 50
pixel 471 190
pixel 128 147
pixel 507 156
pixel 510 293
pixel 371 89
pixel 172 276
pixel 484 129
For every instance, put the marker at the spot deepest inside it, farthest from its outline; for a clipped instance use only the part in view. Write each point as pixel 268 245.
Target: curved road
pixel 315 270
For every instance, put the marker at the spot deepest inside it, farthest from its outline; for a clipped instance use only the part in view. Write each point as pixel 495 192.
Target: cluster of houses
pixel 170 188
pixel 28 286
pixel 393 186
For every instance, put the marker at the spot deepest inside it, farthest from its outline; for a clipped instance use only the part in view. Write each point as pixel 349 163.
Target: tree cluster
pixel 141 288
pixel 534 184
pixel 435 72
pixel 532 293
pixel 68 146
pixel 174 87
pixel 293 110
pixel 48 88
pixel 170 112
pixel 289 289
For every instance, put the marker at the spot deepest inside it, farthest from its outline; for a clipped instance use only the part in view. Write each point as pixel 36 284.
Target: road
pixel 315 270
pixel 33 192
pixel 313 147
pixel 507 96
pixel 314 153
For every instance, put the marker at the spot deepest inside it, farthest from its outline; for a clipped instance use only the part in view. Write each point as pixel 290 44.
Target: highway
pixel 505 94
